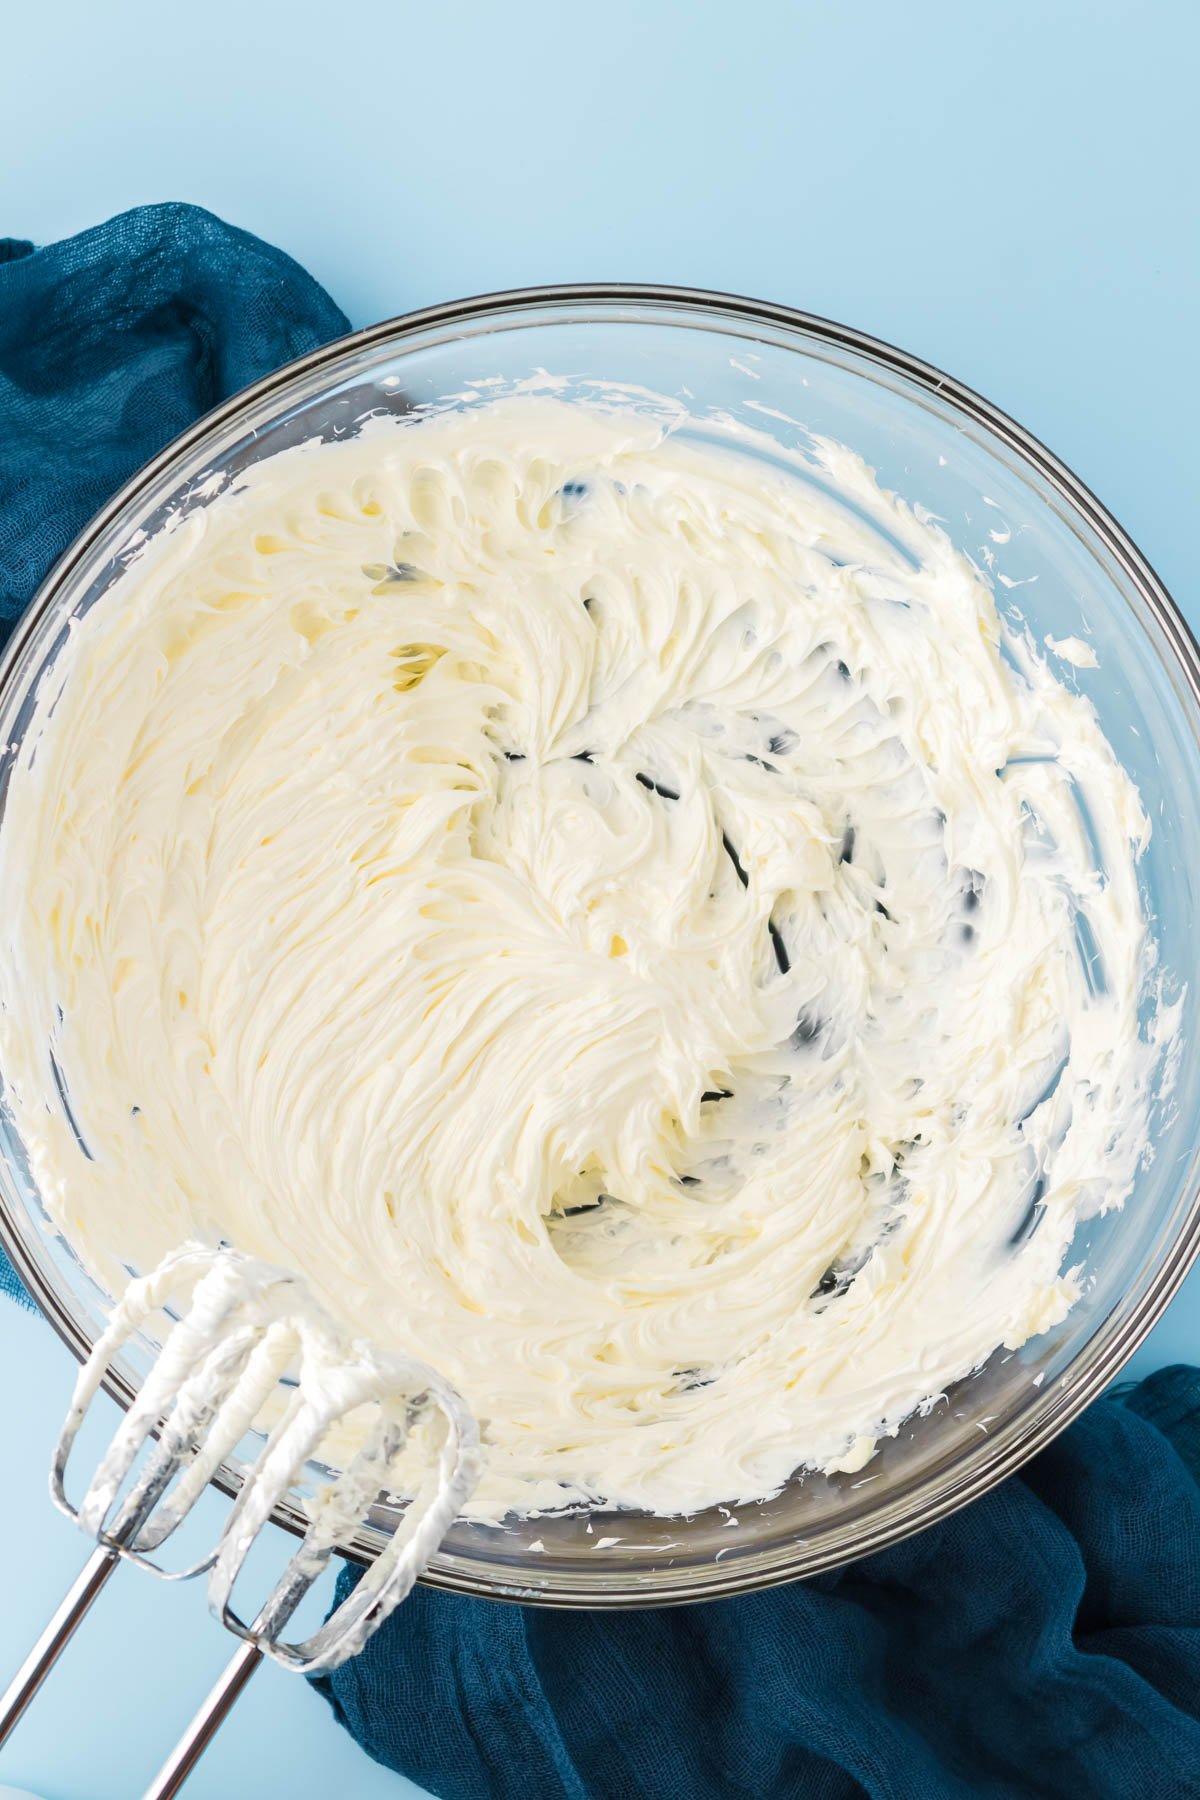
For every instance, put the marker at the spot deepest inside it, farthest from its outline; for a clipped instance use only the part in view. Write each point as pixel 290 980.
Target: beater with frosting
pixel 632 927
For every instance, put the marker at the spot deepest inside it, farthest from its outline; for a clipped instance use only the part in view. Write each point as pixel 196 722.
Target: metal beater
pixel 246 1326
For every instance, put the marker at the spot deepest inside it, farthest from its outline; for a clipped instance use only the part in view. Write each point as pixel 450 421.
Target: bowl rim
pixel 1060 1404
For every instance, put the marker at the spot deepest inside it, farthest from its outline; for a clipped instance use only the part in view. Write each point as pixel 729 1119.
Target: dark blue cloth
pixel 1043 1642
pixel 111 344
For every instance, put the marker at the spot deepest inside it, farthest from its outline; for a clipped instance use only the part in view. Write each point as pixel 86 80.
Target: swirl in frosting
pixel 634 927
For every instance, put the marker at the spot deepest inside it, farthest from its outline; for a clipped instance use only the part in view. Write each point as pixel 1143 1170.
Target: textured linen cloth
pixel 111 344
pixel 1044 1642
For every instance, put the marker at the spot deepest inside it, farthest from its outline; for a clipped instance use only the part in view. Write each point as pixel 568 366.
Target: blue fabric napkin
pixel 111 344
pixel 1044 1642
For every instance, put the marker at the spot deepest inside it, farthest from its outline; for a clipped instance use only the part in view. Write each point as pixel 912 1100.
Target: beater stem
pixel 195 1740
pixel 55 1638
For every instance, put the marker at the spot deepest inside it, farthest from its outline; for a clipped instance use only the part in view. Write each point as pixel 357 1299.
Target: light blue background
pixel 1008 189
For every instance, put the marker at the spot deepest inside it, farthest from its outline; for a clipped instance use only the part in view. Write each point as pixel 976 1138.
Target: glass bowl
pixel 1053 550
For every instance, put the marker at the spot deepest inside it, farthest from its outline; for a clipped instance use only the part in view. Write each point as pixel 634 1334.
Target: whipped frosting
pixel 632 926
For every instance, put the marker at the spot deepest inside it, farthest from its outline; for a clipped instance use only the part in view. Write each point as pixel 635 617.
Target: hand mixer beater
pixel 247 1328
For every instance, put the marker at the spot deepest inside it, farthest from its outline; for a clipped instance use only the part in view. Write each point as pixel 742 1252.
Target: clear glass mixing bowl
pixel 1073 572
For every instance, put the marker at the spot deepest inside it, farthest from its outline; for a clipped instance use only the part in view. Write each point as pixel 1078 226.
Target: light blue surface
pixel 1007 190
